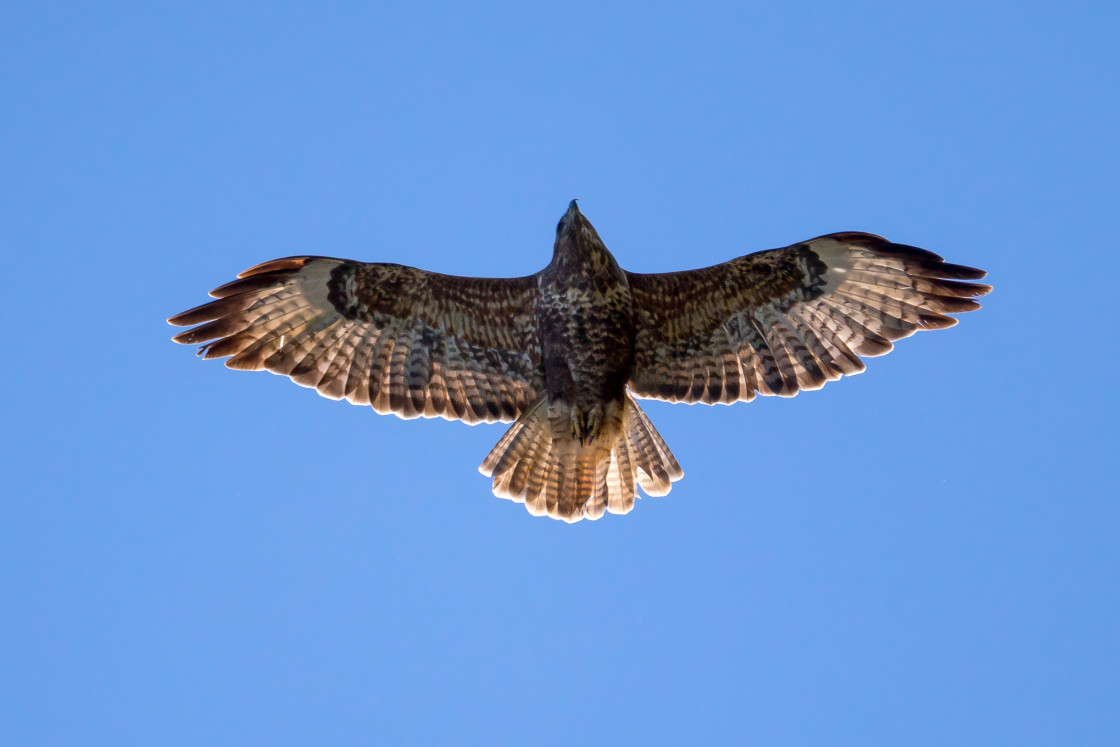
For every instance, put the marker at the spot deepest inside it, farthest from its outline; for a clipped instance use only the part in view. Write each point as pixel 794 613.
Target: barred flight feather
pixel 796 318
pixel 391 336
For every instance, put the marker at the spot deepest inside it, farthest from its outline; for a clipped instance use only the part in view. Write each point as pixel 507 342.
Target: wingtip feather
pixel 287 264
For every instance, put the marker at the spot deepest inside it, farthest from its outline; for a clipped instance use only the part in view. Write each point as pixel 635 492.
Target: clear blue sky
pixel 925 554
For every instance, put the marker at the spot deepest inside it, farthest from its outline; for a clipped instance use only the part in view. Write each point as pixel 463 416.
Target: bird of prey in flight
pixel 566 353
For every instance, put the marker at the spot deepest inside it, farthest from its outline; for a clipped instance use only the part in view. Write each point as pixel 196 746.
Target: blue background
pixel 923 554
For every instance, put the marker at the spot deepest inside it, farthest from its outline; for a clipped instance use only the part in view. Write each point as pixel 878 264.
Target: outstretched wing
pixel 406 341
pixel 783 320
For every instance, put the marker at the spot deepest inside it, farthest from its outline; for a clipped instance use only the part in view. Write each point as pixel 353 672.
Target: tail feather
pixel 534 486
pixel 538 463
pixel 623 486
pixel 657 466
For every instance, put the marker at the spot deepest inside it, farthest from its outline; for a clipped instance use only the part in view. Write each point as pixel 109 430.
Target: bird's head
pixel 574 231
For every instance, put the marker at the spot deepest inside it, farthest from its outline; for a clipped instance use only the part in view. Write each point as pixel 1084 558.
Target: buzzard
pixel 565 353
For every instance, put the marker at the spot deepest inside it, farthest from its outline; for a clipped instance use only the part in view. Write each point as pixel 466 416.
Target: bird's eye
pixel 560 226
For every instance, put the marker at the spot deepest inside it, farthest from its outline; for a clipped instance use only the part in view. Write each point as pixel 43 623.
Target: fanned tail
pixel 538 463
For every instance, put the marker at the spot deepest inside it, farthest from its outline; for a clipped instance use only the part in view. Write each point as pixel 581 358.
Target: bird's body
pixel 564 353
pixel 586 326
pixel 586 445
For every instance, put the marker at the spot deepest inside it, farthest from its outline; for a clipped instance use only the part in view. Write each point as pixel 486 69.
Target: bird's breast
pixel 586 331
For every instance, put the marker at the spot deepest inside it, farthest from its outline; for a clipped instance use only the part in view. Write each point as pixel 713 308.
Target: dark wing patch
pixel 406 341
pixel 783 320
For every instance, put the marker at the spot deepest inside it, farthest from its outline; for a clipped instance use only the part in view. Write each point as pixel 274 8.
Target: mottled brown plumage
pixel 563 353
